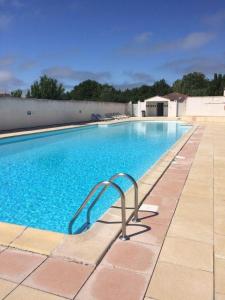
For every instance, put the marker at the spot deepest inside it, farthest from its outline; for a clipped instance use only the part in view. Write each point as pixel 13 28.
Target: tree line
pixel 192 84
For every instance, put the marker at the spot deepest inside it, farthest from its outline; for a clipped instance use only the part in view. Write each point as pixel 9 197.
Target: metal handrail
pixel 123 206
pixel 135 218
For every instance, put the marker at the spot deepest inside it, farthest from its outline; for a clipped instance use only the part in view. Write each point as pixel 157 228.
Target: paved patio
pixel 178 253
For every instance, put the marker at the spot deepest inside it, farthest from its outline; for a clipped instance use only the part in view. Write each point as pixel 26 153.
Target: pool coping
pixel 88 247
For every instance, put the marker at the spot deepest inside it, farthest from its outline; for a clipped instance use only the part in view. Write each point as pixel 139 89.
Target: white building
pixel 171 105
pixel 177 105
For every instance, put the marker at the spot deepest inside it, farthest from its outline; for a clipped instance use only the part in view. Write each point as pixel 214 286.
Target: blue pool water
pixel 45 177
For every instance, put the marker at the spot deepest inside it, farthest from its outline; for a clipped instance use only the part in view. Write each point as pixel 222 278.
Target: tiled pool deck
pixel 178 253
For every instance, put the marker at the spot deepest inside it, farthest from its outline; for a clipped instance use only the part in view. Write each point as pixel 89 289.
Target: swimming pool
pixel 45 177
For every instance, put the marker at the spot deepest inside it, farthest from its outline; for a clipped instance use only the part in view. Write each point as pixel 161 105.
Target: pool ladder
pixel 105 185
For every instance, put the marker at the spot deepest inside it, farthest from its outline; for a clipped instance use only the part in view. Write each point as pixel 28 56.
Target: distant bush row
pixel 192 84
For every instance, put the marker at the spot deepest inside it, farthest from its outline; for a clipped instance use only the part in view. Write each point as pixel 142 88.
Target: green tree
pixel 28 94
pixel 192 84
pixel 108 93
pixel 177 86
pixel 217 85
pixel 17 93
pixel 46 88
pixel 161 88
pixel 87 90
pixel 144 92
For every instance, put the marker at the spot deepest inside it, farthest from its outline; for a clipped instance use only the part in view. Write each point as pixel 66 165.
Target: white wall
pixel 129 109
pixel 13 111
pixel 181 108
pixel 135 110
pixel 172 108
pixel 151 109
pixel 165 109
pixel 205 106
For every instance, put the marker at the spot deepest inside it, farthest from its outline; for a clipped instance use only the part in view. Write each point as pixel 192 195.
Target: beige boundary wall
pixel 205 106
pixel 16 113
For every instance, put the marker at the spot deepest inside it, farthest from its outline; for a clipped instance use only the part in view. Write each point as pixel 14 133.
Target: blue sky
pixel 122 42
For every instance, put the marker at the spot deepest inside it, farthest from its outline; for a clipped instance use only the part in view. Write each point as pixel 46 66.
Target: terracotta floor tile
pixel 168 189
pixel 6 287
pixel 173 175
pixel 59 277
pixel 180 174
pixel 188 253
pixel 175 166
pixel 153 234
pixel 2 248
pixel 16 265
pixel 132 256
pixel 112 284
pixel 173 282
pixel 26 293
pixel 162 202
pixel 162 217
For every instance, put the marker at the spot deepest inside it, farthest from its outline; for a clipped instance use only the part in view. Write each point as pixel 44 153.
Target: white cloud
pixel 196 40
pixel 143 37
pixel 8 80
pixel 7 60
pixel 216 19
pixel 28 64
pixel 191 41
pixel 206 65
pixel 140 76
pixel 71 74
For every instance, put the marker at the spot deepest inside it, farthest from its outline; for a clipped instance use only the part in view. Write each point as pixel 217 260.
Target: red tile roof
pixel 176 97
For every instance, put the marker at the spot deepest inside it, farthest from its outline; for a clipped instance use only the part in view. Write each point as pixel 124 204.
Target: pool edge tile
pixel 9 232
pixel 38 241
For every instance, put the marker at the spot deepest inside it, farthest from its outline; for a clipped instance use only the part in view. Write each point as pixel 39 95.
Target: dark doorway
pixel 160 109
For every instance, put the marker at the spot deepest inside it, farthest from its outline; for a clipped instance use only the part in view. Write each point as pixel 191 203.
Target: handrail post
pixel 135 218
pixel 124 236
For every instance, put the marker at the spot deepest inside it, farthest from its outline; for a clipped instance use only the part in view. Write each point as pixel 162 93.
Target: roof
pixel 176 97
pixel 156 98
